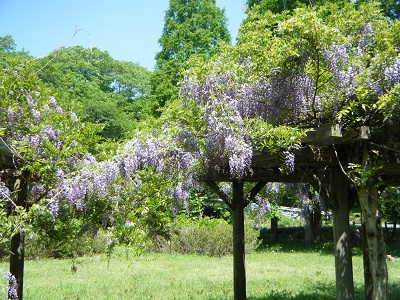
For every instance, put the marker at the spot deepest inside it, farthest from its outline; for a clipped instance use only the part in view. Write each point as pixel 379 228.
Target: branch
pixel 341 167
pixel 62 47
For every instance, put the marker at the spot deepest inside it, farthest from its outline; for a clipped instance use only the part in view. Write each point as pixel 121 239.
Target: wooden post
pixel 274 230
pixel 341 235
pixel 239 272
pixel 17 253
pixel 238 204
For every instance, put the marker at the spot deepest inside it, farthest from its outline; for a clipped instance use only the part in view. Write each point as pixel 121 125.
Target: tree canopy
pixel 190 27
pixel 103 90
pixel 390 8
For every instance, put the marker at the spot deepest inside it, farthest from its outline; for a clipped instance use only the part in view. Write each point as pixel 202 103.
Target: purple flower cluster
pixel 303 201
pixel 270 194
pixel 141 153
pixel 226 102
pixel 291 97
pixel 392 74
pixel 94 181
pixel 343 73
pixel 289 158
pixel 265 207
pixel 12 286
pixel 228 98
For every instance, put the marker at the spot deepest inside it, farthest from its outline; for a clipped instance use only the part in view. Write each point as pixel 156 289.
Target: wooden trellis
pixel 325 159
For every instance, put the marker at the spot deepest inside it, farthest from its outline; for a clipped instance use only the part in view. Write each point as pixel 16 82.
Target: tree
pixel 8 50
pixel 191 27
pixel 390 8
pixel 7 44
pixel 390 207
pixel 101 90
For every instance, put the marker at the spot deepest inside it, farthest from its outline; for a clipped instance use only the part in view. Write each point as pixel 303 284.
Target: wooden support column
pixel 337 196
pixel 341 235
pixel 239 272
pixel 238 203
pixel 17 253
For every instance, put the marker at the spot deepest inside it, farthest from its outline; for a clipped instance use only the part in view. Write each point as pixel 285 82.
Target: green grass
pixel 271 274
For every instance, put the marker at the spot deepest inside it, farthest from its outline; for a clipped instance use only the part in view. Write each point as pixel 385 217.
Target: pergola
pixel 327 156
pixel 323 160
pixel 11 174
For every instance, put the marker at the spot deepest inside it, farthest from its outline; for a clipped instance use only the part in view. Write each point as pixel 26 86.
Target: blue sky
pixel 128 29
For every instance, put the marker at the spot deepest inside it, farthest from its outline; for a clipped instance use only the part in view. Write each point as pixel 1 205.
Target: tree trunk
pixel 18 240
pixel 368 284
pixel 375 269
pixel 274 230
pixel 239 272
pixel 341 235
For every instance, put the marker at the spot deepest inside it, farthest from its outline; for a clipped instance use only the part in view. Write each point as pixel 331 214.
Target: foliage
pixel 7 44
pixel 324 64
pixel 9 52
pixel 38 131
pixel 101 89
pixel 47 140
pixel 191 27
pixel 69 234
pixel 390 207
pixel 223 116
pixel 390 8
pixel 279 6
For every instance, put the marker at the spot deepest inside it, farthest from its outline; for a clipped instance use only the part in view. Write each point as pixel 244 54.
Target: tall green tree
pixel 190 27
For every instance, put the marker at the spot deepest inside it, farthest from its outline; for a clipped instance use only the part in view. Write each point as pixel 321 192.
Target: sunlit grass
pixel 270 275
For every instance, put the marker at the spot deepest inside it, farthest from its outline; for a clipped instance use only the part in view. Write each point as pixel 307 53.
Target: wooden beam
pixel 326 134
pixel 254 191
pixel 216 189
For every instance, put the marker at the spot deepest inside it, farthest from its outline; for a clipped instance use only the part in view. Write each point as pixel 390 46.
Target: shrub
pixel 86 243
pixel 207 236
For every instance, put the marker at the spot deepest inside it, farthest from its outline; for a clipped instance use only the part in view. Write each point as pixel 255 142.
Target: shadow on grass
pixel 322 292
pixel 291 239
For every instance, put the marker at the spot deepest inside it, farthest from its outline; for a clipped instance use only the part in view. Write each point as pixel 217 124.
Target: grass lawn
pixel 271 274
